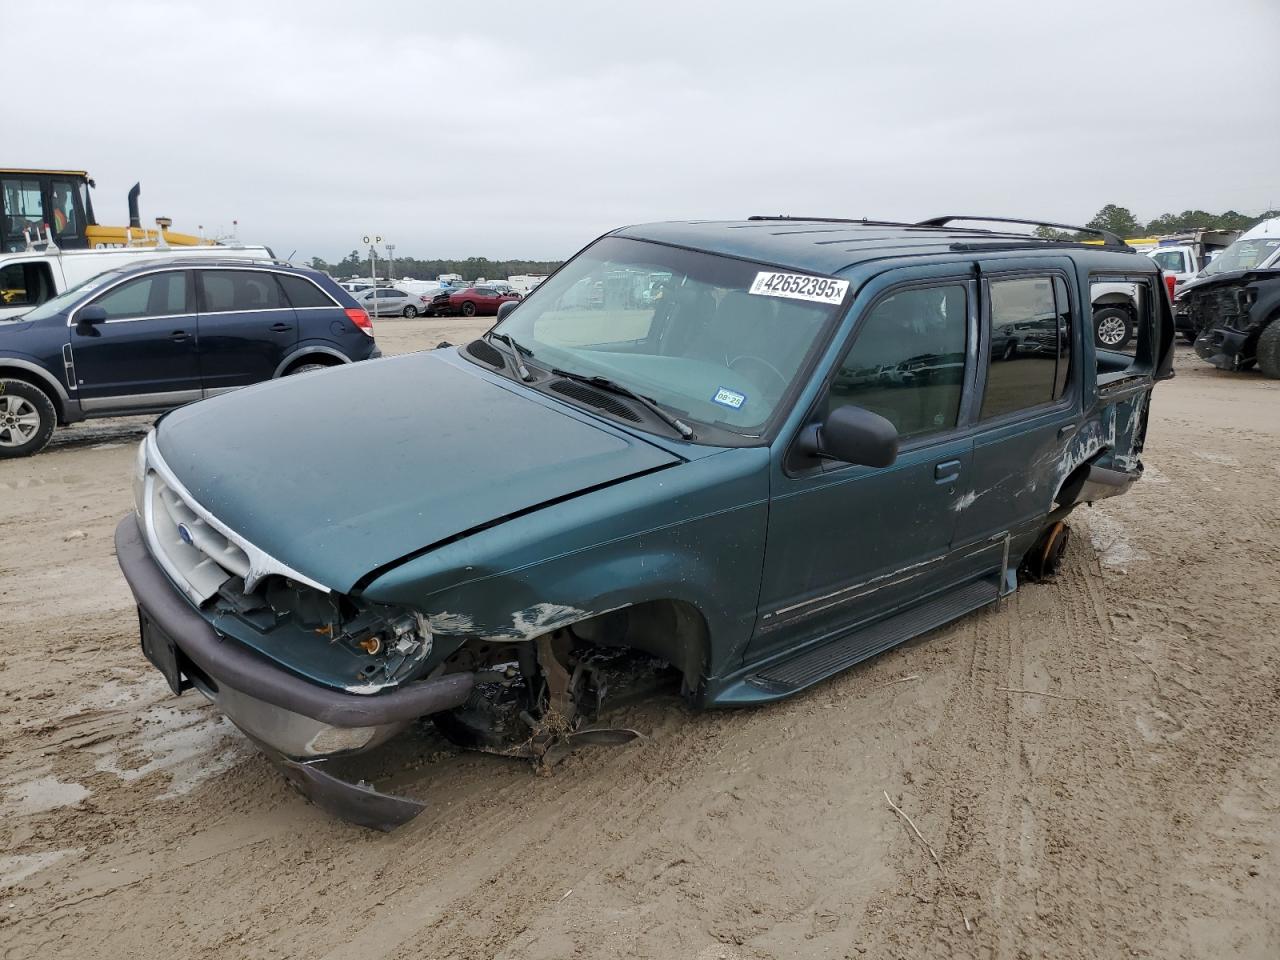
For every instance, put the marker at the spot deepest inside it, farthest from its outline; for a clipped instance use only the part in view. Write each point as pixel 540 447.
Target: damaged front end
pixel 306 673
pixel 1228 314
pixel 310 675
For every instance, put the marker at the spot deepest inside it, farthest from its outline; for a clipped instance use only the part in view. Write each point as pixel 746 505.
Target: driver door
pixel 144 354
pixel 849 543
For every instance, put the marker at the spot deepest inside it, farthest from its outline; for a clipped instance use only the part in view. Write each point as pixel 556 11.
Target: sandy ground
pixel 1095 762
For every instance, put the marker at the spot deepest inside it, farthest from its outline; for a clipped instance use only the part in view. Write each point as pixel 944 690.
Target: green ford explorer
pixel 756 451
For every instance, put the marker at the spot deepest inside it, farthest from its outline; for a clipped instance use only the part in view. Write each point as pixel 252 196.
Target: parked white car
pixel 391 302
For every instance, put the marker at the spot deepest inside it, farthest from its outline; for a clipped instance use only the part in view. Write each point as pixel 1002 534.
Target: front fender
pixel 693 533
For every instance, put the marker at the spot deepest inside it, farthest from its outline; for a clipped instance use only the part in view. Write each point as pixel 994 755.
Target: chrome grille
pixel 203 557
pixel 198 552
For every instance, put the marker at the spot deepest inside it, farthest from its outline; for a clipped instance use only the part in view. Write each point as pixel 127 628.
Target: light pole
pixel 391 262
pixel 373 268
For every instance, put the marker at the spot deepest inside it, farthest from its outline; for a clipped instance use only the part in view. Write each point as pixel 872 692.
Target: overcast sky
pixel 526 129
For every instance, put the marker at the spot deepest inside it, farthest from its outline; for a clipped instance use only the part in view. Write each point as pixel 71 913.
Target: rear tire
pixel 1044 559
pixel 1268 350
pixel 27 419
pixel 1189 336
pixel 307 368
pixel 468 308
pixel 1112 328
pixel 410 311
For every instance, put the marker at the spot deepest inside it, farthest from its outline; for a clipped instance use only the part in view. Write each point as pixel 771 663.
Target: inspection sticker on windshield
pixel 798 286
pixel 729 398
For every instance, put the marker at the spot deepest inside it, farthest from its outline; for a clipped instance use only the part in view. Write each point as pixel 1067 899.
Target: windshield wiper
pixel 513 354
pixel 604 383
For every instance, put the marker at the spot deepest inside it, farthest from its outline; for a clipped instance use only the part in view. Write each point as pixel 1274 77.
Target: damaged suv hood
pixel 341 472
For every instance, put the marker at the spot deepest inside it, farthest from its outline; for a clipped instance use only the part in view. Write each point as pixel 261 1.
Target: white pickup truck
pixel 1185 254
pixel 1180 255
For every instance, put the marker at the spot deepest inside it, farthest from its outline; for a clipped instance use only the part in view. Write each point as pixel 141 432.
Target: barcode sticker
pixel 799 286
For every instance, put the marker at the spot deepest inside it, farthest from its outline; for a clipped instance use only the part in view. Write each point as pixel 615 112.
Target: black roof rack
pixel 1109 239
pixel 863 222
pixel 1000 245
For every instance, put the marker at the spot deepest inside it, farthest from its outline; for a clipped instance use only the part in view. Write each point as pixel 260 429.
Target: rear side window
pixel 25 284
pixel 234 290
pixel 1122 320
pixel 1169 260
pixel 302 292
pixel 153 295
pixel 1030 352
pixel 907 362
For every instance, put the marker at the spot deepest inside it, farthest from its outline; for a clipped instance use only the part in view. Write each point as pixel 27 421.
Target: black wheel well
pixel 27 377
pixel 674 630
pixel 1125 305
pixel 322 359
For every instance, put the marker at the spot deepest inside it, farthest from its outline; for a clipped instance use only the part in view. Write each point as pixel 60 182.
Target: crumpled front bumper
pixel 296 723
pixel 1221 346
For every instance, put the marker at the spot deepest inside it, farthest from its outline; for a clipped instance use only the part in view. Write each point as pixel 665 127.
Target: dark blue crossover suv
pixel 152 337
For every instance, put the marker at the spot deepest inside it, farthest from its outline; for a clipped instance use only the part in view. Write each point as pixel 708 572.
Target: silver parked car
pixel 391 302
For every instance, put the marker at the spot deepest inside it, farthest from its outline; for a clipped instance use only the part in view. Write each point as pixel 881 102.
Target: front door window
pixel 23 209
pixel 153 295
pixel 907 361
pixel 1170 261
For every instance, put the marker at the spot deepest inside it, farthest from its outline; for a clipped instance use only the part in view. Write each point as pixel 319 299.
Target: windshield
pixel 1242 255
pixel 713 339
pixel 63 300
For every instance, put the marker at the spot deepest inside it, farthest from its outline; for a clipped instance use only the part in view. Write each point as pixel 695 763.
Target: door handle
pixel 947 472
pixel 178 336
pixel 281 327
pixel 1064 430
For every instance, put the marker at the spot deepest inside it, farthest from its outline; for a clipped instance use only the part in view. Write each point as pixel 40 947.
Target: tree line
pixel 470 268
pixel 1121 221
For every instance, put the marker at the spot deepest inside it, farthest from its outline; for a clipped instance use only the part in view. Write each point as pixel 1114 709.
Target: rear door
pixel 144 354
pixel 319 316
pixel 397 300
pixel 247 327
pixel 1027 404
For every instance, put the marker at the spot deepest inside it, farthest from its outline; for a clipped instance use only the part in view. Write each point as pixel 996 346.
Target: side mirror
pixel 505 308
pixel 91 314
pixel 853 435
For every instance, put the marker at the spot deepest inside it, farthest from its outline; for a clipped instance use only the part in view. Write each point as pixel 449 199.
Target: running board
pixel 830 658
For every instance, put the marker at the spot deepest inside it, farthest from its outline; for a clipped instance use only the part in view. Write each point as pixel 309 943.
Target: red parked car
pixel 471 302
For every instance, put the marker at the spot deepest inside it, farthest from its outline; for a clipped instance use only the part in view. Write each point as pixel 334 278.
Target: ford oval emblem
pixel 185 533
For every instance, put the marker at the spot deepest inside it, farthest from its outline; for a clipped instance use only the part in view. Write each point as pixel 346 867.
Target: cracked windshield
pixel 710 338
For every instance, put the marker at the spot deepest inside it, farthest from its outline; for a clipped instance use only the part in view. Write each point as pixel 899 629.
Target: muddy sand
pixel 1095 761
